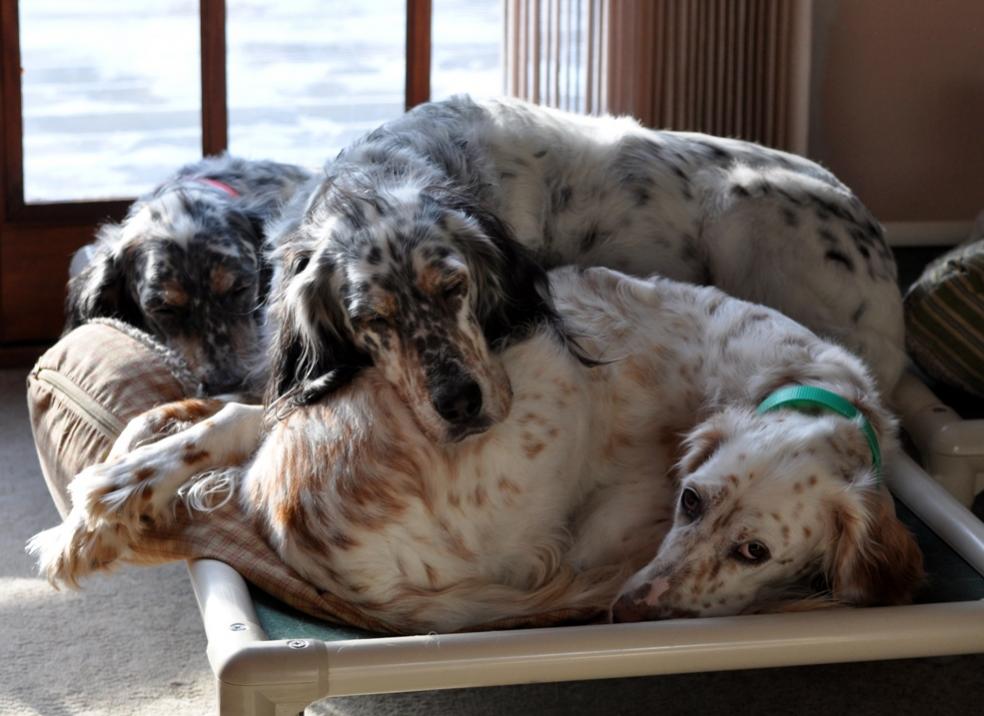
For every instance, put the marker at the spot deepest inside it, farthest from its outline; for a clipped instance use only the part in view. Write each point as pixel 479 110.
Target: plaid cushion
pixel 82 392
pixel 944 316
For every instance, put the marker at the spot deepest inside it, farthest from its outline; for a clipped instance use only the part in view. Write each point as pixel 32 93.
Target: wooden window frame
pixel 38 239
pixel 214 106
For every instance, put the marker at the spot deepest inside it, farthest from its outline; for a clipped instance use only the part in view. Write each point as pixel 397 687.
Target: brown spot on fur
pixel 341 540
pixel 807 532
pixel 144 474
pixel 785 534
pixel 798 487
pixel 192 456
pixel 221 280
pixel 812 482
pixel 775 516
pixel 147 494
pixel 190 410
pixel 533 449
pixel 508 486
pixel 733 479
pixel 479 496
pixel 174 293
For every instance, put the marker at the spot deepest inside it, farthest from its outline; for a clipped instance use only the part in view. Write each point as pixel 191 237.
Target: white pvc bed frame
pixel 256 676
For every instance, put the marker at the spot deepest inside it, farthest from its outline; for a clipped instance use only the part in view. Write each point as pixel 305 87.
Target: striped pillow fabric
pixel 944 318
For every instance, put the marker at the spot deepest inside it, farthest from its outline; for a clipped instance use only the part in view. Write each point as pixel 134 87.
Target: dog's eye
pixel 753 552
pixel 165 310
pixel 453 289
pixel 691 503
pixel 299 264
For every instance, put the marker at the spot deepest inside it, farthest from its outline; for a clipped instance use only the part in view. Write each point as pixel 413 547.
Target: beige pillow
pixel 84 390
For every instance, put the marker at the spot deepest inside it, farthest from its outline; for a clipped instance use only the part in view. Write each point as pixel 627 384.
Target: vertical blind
pixel 730 67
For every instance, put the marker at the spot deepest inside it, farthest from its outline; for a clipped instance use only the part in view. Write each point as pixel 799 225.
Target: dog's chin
pixel 455 434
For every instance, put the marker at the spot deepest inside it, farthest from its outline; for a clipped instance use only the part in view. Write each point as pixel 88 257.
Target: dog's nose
pixel 460 402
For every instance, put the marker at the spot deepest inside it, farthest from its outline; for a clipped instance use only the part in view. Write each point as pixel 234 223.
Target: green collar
pixel 806 398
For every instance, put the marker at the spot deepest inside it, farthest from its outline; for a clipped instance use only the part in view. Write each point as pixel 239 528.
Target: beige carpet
pixel 132 643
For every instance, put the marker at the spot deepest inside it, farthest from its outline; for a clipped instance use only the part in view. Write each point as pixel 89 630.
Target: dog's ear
pixel 100 289
pixel 255 231
pixel 703 441
pixel 311 354
pixel 305 368
pixel 515 297
pixel 876 559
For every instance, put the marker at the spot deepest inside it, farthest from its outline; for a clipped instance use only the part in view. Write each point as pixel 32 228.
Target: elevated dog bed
pixel 270 657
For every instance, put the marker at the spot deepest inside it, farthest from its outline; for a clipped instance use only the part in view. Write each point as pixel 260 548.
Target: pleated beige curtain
pixel 731 67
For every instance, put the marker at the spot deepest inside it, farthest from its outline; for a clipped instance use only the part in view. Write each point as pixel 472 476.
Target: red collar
pixel 221 186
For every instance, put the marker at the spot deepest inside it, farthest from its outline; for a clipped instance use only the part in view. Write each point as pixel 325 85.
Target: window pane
pixel 306 77
pixel 111 95
pixel 466 48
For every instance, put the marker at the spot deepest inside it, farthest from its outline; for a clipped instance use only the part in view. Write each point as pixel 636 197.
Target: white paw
pixel 117 492
pixel 71 550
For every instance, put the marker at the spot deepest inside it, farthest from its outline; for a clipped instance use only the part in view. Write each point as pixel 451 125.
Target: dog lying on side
pixel 452 203
pixel 638 478
pixel 188 264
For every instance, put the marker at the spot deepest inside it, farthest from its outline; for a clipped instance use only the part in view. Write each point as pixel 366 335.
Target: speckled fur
pixel 188 265
pixel 571 500
pixel 457 183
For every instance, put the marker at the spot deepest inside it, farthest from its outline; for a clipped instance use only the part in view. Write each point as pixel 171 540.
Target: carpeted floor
pixel 132 644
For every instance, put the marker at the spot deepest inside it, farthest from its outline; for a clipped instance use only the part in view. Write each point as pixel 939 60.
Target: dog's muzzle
pixel 459 403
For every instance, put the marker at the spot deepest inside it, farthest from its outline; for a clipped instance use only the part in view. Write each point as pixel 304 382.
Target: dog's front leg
pixel 113 502
pixel 164 420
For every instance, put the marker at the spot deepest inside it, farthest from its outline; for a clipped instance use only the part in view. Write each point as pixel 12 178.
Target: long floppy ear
pixel 100 289
pixel 876 559
pixel 523 291
pixel 253 228
pixel 704 440
pixel 311 353
pixel 513 288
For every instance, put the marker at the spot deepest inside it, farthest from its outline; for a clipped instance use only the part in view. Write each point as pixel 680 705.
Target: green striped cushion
pixel 944 318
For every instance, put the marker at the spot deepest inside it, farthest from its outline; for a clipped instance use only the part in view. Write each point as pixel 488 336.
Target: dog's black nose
pixel 460 402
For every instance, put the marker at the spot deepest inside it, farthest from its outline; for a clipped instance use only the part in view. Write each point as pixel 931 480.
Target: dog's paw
pixel 115 492
pixel 164 420
pixel 72 550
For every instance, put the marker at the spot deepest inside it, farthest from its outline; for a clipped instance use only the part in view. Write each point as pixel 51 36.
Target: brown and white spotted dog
pixel 415 255
pixel 642 480
pixel 188 264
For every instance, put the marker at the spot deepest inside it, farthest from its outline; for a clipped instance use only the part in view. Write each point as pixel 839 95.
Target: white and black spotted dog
pixel 419 253
pixel 188 264
pixel 653 481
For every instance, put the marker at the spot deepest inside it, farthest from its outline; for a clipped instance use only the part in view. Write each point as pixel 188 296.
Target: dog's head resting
pixel 419 282
pixel 187 267
pixel 776 512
